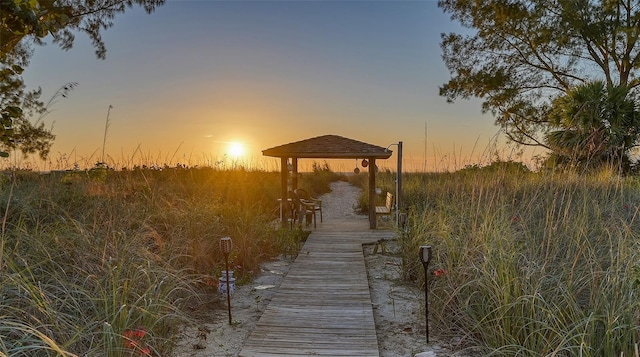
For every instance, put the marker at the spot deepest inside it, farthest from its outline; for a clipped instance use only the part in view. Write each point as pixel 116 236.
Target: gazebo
pixel 328 147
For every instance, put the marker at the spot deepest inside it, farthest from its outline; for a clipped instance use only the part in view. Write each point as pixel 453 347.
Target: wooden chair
pixel 301 209
pixel 294 207
pixel 311 203
pixel 305 208
pixel 303 194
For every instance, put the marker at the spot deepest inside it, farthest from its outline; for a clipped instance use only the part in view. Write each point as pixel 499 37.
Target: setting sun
pixel 236 149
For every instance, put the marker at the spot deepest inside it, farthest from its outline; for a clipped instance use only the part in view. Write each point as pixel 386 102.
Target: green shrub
pixel 318 181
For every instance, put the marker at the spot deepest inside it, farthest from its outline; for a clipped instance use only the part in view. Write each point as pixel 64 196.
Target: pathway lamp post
pixel 425 256
pixel 225 248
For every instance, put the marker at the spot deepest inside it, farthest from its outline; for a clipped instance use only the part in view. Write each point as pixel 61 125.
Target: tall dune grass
pixel 536 264
pixel 107 263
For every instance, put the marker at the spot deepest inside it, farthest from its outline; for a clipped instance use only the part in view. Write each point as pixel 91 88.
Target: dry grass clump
pixel 529 264
pixel 107 263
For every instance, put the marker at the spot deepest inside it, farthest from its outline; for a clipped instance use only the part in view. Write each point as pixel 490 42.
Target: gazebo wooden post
pixel 372 194
pixel 284 171
pixel 294 174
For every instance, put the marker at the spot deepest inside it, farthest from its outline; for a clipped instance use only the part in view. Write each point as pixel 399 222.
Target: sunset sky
pixel 195 76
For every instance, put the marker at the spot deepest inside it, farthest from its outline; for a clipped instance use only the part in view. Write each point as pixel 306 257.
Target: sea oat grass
pixel 536 264
pixel 107 263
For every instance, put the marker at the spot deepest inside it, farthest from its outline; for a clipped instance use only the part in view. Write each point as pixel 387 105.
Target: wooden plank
pixel 323 305
pixel 302 351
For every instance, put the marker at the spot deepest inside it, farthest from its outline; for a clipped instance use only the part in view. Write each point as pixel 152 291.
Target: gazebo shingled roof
pixel 329 147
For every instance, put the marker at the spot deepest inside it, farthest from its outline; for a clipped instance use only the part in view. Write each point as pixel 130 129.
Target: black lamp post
pixel 225 247
pixel 425 256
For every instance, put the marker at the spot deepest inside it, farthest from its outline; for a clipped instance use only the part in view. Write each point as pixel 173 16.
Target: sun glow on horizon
pixel 236 149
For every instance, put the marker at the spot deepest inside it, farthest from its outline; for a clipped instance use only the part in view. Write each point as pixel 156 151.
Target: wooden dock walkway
pixel 323 306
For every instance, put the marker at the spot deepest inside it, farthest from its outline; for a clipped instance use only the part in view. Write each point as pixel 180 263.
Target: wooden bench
pixel 385 210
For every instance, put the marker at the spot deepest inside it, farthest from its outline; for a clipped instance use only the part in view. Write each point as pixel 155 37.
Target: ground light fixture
pixel 425 256
pixel 225 248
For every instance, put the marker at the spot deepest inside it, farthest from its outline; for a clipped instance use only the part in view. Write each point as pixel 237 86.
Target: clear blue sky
pixel 194 76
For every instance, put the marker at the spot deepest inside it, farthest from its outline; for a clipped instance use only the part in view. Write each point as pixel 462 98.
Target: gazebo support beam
pixel 284 171
pixel 294 174
pixel 372 194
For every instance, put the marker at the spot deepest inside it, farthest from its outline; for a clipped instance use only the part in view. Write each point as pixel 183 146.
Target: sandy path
pixel 341 202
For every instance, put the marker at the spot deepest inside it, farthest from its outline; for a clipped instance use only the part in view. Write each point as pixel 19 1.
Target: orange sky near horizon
pixel 195 76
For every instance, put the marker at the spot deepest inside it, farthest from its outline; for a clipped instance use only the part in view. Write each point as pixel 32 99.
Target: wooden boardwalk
pixel 323 306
